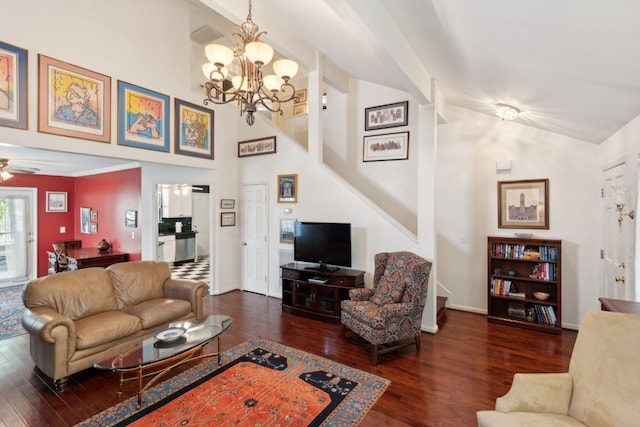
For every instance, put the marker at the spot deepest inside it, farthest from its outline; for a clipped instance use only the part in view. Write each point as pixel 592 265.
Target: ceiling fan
pixel 6 169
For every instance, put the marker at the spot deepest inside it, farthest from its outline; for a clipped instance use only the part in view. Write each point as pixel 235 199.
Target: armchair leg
pixel 417 343
pixel 374 354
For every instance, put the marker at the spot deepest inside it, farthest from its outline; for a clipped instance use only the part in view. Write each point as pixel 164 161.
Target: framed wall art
pixel 227 203
pixel 193 130
pixel 143 118
pixel 301 95
pixel 227 219
pixel 56 201
pixel 523 204
pixel 131 218
pixel 73 101
pixel 390 146
pixel 85 220
pixel 288 188
pixel 13 86
pixel 386 116
pixel 286 230
pixel 300 109
pixel 94 216
pixel 255 147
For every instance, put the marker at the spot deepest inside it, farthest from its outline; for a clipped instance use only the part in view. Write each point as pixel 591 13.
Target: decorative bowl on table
pixel 170 334
pixel 542 296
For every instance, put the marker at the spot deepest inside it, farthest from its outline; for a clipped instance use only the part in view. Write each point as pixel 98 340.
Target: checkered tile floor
pixel 198 270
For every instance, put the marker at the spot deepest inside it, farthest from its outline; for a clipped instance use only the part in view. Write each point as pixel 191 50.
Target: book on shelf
pixel 517 309
pixel 545 314
pixel 517 294
pixel 500 287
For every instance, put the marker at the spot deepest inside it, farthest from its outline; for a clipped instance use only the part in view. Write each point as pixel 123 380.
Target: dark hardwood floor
pixel 460 370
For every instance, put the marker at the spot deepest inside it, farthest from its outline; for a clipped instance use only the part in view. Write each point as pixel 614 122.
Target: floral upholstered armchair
pixel 389 315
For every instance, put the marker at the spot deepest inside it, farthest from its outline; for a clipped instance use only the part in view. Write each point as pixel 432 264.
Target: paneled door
pixel 255 238
pixel 17 237
pixel 616 238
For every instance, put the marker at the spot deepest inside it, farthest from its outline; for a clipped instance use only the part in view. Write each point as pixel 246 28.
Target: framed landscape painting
pixel 386 116
pixel 523 204
pixel 193 130
pixel 13 86
pixel 73 101
pixel 143 118
pixel 390 146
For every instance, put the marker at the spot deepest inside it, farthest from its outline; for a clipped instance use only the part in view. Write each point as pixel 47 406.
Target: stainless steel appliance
pixel 185 246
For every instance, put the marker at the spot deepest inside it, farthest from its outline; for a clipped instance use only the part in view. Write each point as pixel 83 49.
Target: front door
pixel 255 239
pixel 616 236
pixel 17 239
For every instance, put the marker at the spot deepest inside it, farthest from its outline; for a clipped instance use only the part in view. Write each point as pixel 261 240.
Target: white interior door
pixel 616 236
pixel 254 220
pixel 201 218
pixel 17 238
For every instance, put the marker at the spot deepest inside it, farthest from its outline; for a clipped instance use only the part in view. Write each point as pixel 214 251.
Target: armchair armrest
pixel 188 290
pixel 538 393
pixel 361 294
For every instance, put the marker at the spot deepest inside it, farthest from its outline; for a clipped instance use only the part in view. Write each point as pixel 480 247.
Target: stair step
pixel 441 303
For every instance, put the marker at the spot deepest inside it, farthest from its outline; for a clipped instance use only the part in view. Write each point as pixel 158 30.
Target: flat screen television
pixel 325 244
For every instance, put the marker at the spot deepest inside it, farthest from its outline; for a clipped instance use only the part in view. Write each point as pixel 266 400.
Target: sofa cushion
pixel 138 281
pixel 105 327
pixel 390 286
pixel 75 294
pixel 159 310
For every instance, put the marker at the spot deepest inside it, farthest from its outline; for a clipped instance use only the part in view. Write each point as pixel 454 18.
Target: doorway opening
pixel 17 237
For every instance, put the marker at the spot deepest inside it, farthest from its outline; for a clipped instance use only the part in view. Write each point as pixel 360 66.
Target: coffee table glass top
pixel 176 338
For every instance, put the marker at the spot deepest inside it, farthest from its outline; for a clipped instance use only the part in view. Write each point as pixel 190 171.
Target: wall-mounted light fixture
pixel 619 199
pixel 506 111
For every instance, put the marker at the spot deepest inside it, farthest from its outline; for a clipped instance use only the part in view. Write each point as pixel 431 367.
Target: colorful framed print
pixel 13 86
pixel 288 188
pixel 390 146
pixel 193 130
pixel 143 118
pixel 523 204
pixel 255 147
pixel 56 201
pixel 386 116
pixel 73 101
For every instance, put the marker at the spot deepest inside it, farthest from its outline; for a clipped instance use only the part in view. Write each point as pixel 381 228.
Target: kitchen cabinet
pixel 176 205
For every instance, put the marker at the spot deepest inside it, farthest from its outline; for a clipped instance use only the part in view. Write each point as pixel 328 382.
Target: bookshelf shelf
pixel 518 267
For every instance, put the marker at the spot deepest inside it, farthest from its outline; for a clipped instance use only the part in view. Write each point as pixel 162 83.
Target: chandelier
pixel 249 88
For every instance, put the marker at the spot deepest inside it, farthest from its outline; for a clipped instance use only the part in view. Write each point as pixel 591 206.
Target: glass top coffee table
pixel 178 343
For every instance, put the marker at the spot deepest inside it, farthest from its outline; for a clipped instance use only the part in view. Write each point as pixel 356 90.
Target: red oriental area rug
pixel 261 383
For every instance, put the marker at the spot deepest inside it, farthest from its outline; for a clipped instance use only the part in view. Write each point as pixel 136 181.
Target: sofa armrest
pixel 48 325
pixel 188 290
pixel 360 294
pixel 538 393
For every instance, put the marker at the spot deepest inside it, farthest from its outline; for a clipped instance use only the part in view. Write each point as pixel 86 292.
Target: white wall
pixel 145 43
pixel 466 205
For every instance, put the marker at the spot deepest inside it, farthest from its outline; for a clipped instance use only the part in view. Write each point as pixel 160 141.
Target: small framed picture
pixel 288 188
pixel 286 230
pixel 94 216
pixel 227 203
pixel 390 146
pixel 94 228
pixel 523 204
pixel 131 218
pixel 56 201
pixel 227 219
pixel 301 96
pixel 85 220
pixel 386 116
pixel 300 109
pixel 255 147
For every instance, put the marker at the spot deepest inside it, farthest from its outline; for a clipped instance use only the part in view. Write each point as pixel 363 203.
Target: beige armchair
pixel 389 316
pixel 602 387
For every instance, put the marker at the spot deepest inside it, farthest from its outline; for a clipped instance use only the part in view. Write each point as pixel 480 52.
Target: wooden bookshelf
pixel 518 267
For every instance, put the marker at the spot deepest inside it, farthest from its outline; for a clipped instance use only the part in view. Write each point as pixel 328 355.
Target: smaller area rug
pixel 262 383
pixel 11 308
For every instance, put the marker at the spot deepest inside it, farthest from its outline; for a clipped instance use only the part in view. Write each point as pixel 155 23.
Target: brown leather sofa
pixel 75 317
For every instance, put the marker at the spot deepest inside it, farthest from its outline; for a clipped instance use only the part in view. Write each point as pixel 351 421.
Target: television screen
pixel 323 243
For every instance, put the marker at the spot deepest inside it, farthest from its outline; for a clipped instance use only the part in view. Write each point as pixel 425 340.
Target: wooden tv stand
pixel 315 293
